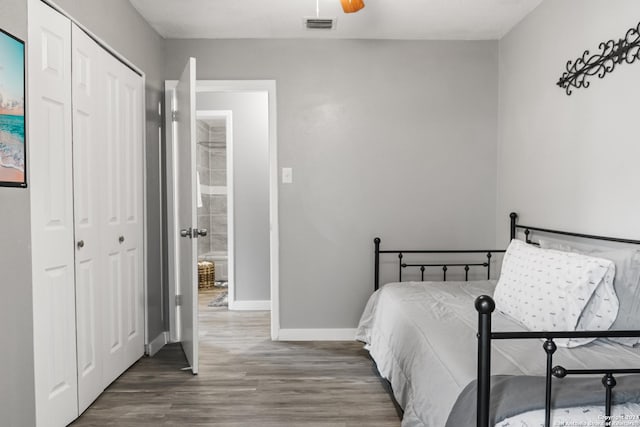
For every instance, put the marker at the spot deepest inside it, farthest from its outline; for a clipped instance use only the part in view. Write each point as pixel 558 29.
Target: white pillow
pixel 626 283
pixel 548 290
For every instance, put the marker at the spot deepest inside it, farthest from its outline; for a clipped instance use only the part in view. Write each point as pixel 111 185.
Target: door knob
pixel 80 244
pixel 186 232
pixel 121 239
pixel 201 231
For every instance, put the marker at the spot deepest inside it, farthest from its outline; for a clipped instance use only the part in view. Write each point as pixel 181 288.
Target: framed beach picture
pixel 13 159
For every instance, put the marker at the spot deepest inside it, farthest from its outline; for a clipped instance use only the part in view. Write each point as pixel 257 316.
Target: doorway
pixel 242 295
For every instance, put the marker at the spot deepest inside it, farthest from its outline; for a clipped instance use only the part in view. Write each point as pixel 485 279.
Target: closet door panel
pixel 131 299
pixel 131 239
pixel 113 322
pixel 114 350
pixel 130 146
pixel 112 146
pixel 52 233
pixel 88 144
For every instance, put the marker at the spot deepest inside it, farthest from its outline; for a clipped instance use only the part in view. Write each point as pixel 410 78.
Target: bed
pixel 448 365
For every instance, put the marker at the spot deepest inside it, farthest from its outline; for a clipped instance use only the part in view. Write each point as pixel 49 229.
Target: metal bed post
pixel 376 262
pixel 550 348
pixel 513 216
pixel 485 306
pixel 609 382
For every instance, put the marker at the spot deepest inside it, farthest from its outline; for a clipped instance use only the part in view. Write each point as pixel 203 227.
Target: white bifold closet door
pixel 86 187
pixel 107 148
pixel 107 153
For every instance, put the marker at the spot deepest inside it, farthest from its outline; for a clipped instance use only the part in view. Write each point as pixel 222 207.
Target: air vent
pixel 320 23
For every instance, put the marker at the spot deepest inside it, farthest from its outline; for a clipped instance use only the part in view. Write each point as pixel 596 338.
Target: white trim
pixel 337 334
pixel 231 254
pixel 172 206
pixel 162 230
pixel 242 305
pixel 145 213
pixel 273 212
pixel 236 86
pixel 157 343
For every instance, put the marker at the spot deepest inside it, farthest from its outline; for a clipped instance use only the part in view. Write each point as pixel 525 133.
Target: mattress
pixel 422 336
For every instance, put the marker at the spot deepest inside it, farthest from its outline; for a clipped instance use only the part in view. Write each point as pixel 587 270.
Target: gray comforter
pixel 422 336
pixel 513 395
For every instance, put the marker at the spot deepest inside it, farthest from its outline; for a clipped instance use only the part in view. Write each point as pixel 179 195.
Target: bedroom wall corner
pixel 568 162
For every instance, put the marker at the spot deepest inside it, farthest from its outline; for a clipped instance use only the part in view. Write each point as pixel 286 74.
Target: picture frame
pixel 13 140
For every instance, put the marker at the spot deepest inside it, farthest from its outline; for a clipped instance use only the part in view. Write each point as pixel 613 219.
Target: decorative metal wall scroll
pixel 612 53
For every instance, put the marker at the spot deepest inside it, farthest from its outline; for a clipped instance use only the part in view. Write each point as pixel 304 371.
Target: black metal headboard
pixel 513 227
pixel 528 229
pixel 443 265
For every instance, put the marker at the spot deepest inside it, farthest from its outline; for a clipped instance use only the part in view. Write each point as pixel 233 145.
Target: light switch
pixel 287 175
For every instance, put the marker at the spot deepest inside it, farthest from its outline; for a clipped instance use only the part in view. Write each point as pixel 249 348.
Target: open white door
pixel 186 213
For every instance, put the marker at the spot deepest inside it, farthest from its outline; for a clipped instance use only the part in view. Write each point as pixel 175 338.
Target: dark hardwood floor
pixel 246 379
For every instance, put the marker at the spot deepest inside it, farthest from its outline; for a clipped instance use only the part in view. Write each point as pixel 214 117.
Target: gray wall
pixel 250 147
pixel 388 138
pixel 569 162
pixel 120 25
pixel 17 401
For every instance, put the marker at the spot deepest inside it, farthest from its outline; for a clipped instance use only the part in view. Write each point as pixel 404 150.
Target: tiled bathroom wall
pixel 212 170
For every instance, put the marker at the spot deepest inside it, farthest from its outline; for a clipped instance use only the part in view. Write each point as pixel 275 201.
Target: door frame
pixel 224 86
pixel 227 115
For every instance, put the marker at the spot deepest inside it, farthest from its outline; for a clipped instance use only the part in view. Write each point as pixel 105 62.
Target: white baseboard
pixel 250 305
pixel 154 346
pixel 336 334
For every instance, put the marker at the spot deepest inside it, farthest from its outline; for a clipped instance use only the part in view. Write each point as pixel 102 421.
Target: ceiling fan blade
pixel 351 6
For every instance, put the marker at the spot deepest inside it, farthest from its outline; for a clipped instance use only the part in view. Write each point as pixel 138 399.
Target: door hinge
pixel 178 300
pixel 174 116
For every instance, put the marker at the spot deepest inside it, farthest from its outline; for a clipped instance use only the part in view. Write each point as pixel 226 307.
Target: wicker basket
pixel 206 274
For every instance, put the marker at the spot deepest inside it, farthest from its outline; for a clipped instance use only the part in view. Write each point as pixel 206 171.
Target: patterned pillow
pixel 548 290
pixel 626 282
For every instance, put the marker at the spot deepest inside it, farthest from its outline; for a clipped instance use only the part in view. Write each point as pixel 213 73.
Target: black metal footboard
pixel 485 307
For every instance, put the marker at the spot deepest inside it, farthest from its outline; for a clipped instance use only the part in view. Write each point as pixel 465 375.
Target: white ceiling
pixel 380 19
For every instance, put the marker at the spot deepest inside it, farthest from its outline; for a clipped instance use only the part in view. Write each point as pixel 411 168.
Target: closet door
pixel 51 192
pixel 131 236
pixel 88 178
pixel 122 219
